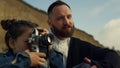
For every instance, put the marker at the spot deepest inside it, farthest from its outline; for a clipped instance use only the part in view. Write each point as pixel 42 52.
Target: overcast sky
pixel 100 18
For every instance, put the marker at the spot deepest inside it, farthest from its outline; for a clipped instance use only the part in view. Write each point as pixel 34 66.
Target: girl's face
pixel 21 43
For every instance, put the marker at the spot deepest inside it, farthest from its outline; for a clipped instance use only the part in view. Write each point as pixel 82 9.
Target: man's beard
pixel 63 32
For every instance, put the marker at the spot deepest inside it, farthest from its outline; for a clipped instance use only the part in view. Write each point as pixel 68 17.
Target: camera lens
pixel 49 40
pixel 45 39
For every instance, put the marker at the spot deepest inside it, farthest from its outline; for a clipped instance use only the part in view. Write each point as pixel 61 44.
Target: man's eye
pixel 69 17
pixel 59 18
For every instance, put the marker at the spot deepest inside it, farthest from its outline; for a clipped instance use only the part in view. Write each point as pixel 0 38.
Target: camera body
pixel 40 42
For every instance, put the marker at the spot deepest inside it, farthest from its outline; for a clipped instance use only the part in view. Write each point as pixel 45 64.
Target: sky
pixel 100 18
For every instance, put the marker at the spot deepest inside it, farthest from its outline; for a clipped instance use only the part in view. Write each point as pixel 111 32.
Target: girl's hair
pixel 14 28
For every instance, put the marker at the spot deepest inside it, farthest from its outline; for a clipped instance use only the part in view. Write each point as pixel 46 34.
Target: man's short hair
pixel 54 4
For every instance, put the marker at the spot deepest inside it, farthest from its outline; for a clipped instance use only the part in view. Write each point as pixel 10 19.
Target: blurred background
pixel 96 21
pixel 100 18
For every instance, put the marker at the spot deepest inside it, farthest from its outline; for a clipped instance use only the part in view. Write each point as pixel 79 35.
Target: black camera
pixel 40 42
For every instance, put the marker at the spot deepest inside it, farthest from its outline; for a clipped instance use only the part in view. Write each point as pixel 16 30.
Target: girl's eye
pixel 26 42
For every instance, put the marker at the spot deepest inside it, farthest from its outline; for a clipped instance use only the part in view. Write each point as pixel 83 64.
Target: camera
pixel 40 42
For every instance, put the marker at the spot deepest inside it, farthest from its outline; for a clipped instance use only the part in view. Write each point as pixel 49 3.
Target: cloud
pixel 110 35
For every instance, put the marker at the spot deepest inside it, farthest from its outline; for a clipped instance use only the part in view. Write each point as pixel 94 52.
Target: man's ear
pixel 11 43
pixel 49 22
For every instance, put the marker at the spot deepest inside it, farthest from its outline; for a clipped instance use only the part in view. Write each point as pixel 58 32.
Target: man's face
pixel 61 21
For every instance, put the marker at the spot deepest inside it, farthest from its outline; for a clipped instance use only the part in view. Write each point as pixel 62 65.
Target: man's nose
pixel 66 21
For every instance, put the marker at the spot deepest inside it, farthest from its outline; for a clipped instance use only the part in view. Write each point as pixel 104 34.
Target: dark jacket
pixel 102 57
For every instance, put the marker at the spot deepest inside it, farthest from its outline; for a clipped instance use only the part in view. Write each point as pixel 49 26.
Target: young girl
pixel 16 39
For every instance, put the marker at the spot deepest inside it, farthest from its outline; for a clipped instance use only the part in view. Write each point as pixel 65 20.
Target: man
pixel 75 52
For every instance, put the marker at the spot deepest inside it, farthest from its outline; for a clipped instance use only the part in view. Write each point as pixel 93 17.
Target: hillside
pixel 17 9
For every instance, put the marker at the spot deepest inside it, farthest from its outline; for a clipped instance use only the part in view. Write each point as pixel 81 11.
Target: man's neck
pixel 61 38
